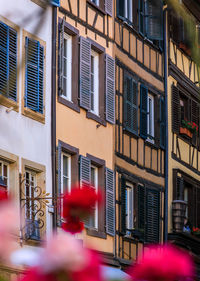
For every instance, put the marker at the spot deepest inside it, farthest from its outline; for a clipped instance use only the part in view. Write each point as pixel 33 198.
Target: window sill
pixel 96 7
pixel 129 132
pixel 96 233
pixel 69 104
pixel 34 115
pixel 96 118
pixel 9 103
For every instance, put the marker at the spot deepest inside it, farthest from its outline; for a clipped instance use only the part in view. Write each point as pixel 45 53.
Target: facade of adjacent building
pixel 85 112
pixel 140 126
pixel 25 114
pixel 183 107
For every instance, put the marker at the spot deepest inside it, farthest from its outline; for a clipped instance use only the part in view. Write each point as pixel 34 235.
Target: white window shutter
pixel 110 89
pixel 85 67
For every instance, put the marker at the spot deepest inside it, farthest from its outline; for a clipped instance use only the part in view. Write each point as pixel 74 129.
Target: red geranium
pixel 3 195
pixel 162 263
pixel 77 205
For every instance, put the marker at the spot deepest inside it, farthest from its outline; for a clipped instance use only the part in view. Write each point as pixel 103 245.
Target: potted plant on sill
pixel 196 232
pixel 188 128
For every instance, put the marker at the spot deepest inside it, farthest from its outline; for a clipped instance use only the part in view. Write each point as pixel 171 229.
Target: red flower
pixel 164 263
pixel 78 205
pixel 73 225
pixel 35 274
pixel 3 195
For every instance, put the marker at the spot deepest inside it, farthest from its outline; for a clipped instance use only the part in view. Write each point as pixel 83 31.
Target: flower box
pixel 186 132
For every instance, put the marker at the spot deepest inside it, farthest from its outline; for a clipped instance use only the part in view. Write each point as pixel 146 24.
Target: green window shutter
pixel 141 17
pixel 34 75
pixel 152 229
pixel 85 67
pixel 120 8
pixel 110 202
pixel 154 19
pixel 8 61
pixel 162 123
pixel 123 205
pixel 176 110
pixel 141 209
pixel 143 111
pixel 60 58
pixel 197 207
pixel 130 105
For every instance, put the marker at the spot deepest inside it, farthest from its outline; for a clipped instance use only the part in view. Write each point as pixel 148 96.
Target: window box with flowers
pixel 196 232
pixel 188 128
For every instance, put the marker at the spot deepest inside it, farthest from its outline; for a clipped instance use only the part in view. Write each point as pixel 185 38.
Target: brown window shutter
pixel 175 110
pixel 109 7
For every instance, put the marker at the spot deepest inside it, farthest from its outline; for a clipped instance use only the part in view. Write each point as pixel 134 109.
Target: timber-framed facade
pixel 140 128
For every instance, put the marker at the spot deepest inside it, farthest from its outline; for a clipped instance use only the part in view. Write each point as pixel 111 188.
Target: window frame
pixel 150 121
pixel 130 191
pixel 4 163
pixel 95 168
pixel 68 60
pixel 95 86
pixel 68 156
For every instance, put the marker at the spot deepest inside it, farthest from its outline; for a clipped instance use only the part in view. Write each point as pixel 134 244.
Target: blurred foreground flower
pixel 163 263
pixel 77 206
pixel 63 259
pixel 9 223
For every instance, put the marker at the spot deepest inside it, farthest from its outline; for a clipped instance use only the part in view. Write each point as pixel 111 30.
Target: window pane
pixel 1 170
pixel 5 170
pixel 65 184
pixel 93 176
pixel 65 47
pixel 65 166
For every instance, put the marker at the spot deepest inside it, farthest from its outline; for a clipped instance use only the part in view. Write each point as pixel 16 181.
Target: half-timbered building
pixel 183 120
pixel 140 126
pixel 85 111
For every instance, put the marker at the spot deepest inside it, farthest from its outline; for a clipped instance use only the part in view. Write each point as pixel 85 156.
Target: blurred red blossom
pixel 163 263
pixel 3 195
pixel 78 205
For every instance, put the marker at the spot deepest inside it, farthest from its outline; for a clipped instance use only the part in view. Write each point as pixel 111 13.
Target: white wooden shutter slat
pixel 110 89
pixel 85 69
pixel 109 7
pixel 110 202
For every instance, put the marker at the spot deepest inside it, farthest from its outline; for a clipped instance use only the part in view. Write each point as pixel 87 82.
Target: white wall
pixel 21 135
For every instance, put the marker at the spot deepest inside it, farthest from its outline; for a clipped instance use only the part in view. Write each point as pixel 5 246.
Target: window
pixel 65 173
pixel 8 61
pixel 94 83
pixel 95 2
pixel 93 221
pixel 150 118
pixel 67 62
pixel 34 75
pixel 130 104
pixel 140 211
pixel 129 207
pixel 4 172
pixel 31 206
pixel 125 9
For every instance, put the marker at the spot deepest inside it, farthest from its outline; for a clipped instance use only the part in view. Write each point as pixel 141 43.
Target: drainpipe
pixel 165 232
pixel 53 109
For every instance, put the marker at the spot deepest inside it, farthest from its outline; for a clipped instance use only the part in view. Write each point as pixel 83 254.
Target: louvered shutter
pixel 85 171
pixel 157 120
pixel 152 229
pixel 195 119
pixel 109 7
pixel 60 59
pixel 85 70
pixel 130 105
pixel 110 202
pixel 143 111
pixel 55 3
pixel 123 205
pixel 141 209
pixel 120 8
pixel 110 89
pixel 176 111
pixel 58 164
pixel 198 207
pixel 8 61
pixel 162 123
pixel 34 75
pixel 141 16
pixel 154 19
